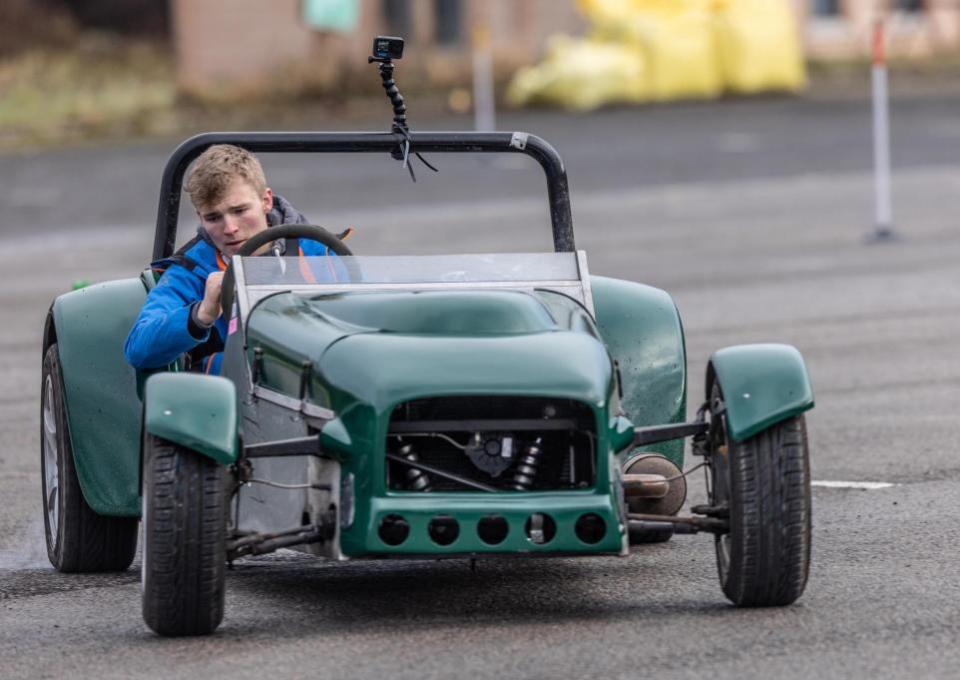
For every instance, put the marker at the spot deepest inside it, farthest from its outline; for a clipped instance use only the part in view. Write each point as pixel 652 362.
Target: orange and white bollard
pixel 883 204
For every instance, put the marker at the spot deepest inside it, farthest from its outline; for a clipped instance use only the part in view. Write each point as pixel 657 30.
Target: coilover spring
pixel 417 480
pixel 526 472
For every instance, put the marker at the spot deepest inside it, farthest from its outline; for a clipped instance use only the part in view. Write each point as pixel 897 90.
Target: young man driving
pixel 182 313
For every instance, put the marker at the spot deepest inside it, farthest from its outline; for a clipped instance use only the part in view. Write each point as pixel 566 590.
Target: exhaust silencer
pixel 653 485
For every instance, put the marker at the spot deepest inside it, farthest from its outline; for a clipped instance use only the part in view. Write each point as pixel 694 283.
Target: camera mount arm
pixel 385 50
pixel 386 67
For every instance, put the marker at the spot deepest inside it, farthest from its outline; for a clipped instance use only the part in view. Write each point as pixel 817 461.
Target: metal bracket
pixel 259 544
pixel 300 405
pixel 663 433
pixel 518 425
pixel 298 446
pixel 680 525
pixel 721 511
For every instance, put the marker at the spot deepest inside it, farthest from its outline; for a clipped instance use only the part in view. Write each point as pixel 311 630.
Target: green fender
pixel 761 385
pixel 100 391
pixel 194 410
pixel 642 331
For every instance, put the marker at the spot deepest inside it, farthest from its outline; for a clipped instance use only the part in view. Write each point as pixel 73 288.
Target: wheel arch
pixel 49 332
pixel 196 411
pixel 100 392
pixel 762 384
pixel 641 328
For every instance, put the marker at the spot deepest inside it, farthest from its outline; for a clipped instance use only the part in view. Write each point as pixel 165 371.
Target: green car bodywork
pixel 761 384
pixel 100 391
pixel 196 411
pixel 372 351
pixel 105 408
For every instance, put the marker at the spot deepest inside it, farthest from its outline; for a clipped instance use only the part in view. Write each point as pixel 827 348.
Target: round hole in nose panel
pixel 540 528
pixel 394 530
pixel 443 530
pixel 591 528
pixel 493 529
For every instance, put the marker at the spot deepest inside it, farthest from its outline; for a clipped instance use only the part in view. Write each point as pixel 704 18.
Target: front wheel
pixel 184 534
pixel 764 485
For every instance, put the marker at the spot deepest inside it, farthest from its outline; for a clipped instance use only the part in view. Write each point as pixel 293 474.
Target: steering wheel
pixel 307 231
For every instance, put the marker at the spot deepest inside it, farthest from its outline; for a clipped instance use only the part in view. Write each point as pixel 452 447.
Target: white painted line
pixel 869 486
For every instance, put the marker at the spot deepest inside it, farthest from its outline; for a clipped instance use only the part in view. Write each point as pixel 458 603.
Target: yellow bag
pixel 675 36
pixel 608 18
pixel 759 46
pixel 582 75
pixel 667 49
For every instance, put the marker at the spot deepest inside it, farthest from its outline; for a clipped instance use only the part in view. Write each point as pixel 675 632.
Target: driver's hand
pixel 209 309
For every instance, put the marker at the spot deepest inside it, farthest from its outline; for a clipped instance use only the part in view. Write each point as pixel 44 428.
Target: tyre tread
pixel 770 517
pixel 185 535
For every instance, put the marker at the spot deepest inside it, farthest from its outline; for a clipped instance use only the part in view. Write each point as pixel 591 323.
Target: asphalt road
pixel 753 215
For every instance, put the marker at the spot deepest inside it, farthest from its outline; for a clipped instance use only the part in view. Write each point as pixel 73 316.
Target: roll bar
pixel 366 142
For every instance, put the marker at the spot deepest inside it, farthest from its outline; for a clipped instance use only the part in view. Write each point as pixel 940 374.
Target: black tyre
pixel 184 533
pixel 78 539
pixel 764 481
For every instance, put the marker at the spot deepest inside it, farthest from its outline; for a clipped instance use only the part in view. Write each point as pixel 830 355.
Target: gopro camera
pixel 386 48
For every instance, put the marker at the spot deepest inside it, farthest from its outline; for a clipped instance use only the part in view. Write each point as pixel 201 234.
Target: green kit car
pixel 435 406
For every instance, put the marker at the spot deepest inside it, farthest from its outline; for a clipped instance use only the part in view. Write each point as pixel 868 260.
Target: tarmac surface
pixel 753 215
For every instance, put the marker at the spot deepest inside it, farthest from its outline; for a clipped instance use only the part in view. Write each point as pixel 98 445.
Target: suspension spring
pixel 417 480
pixel 526 472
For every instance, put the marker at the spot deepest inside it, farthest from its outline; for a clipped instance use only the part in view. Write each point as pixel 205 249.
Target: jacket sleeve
pixel 161 333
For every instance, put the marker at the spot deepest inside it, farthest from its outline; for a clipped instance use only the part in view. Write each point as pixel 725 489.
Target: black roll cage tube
pixel 366 142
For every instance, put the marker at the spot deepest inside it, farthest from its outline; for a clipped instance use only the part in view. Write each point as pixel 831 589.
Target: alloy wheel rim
pixel 51 470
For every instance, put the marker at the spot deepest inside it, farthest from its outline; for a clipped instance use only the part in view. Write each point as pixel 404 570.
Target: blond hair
pixel 217 168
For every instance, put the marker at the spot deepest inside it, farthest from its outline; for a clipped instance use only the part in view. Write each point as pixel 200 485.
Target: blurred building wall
pixel 230 46
pixel 842 29
pixel 226 46
pixel 217 50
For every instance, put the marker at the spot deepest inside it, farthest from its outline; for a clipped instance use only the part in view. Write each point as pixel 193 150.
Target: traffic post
pixel 883 203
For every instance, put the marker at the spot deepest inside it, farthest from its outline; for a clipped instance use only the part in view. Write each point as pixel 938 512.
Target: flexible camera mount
pixel 385 50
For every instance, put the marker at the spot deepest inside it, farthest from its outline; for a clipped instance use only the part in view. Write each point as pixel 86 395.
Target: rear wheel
pixel 184 533
pixel 78 539
pixel 764 483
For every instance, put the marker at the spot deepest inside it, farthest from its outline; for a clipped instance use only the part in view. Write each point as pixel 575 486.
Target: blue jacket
pixel 162 332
